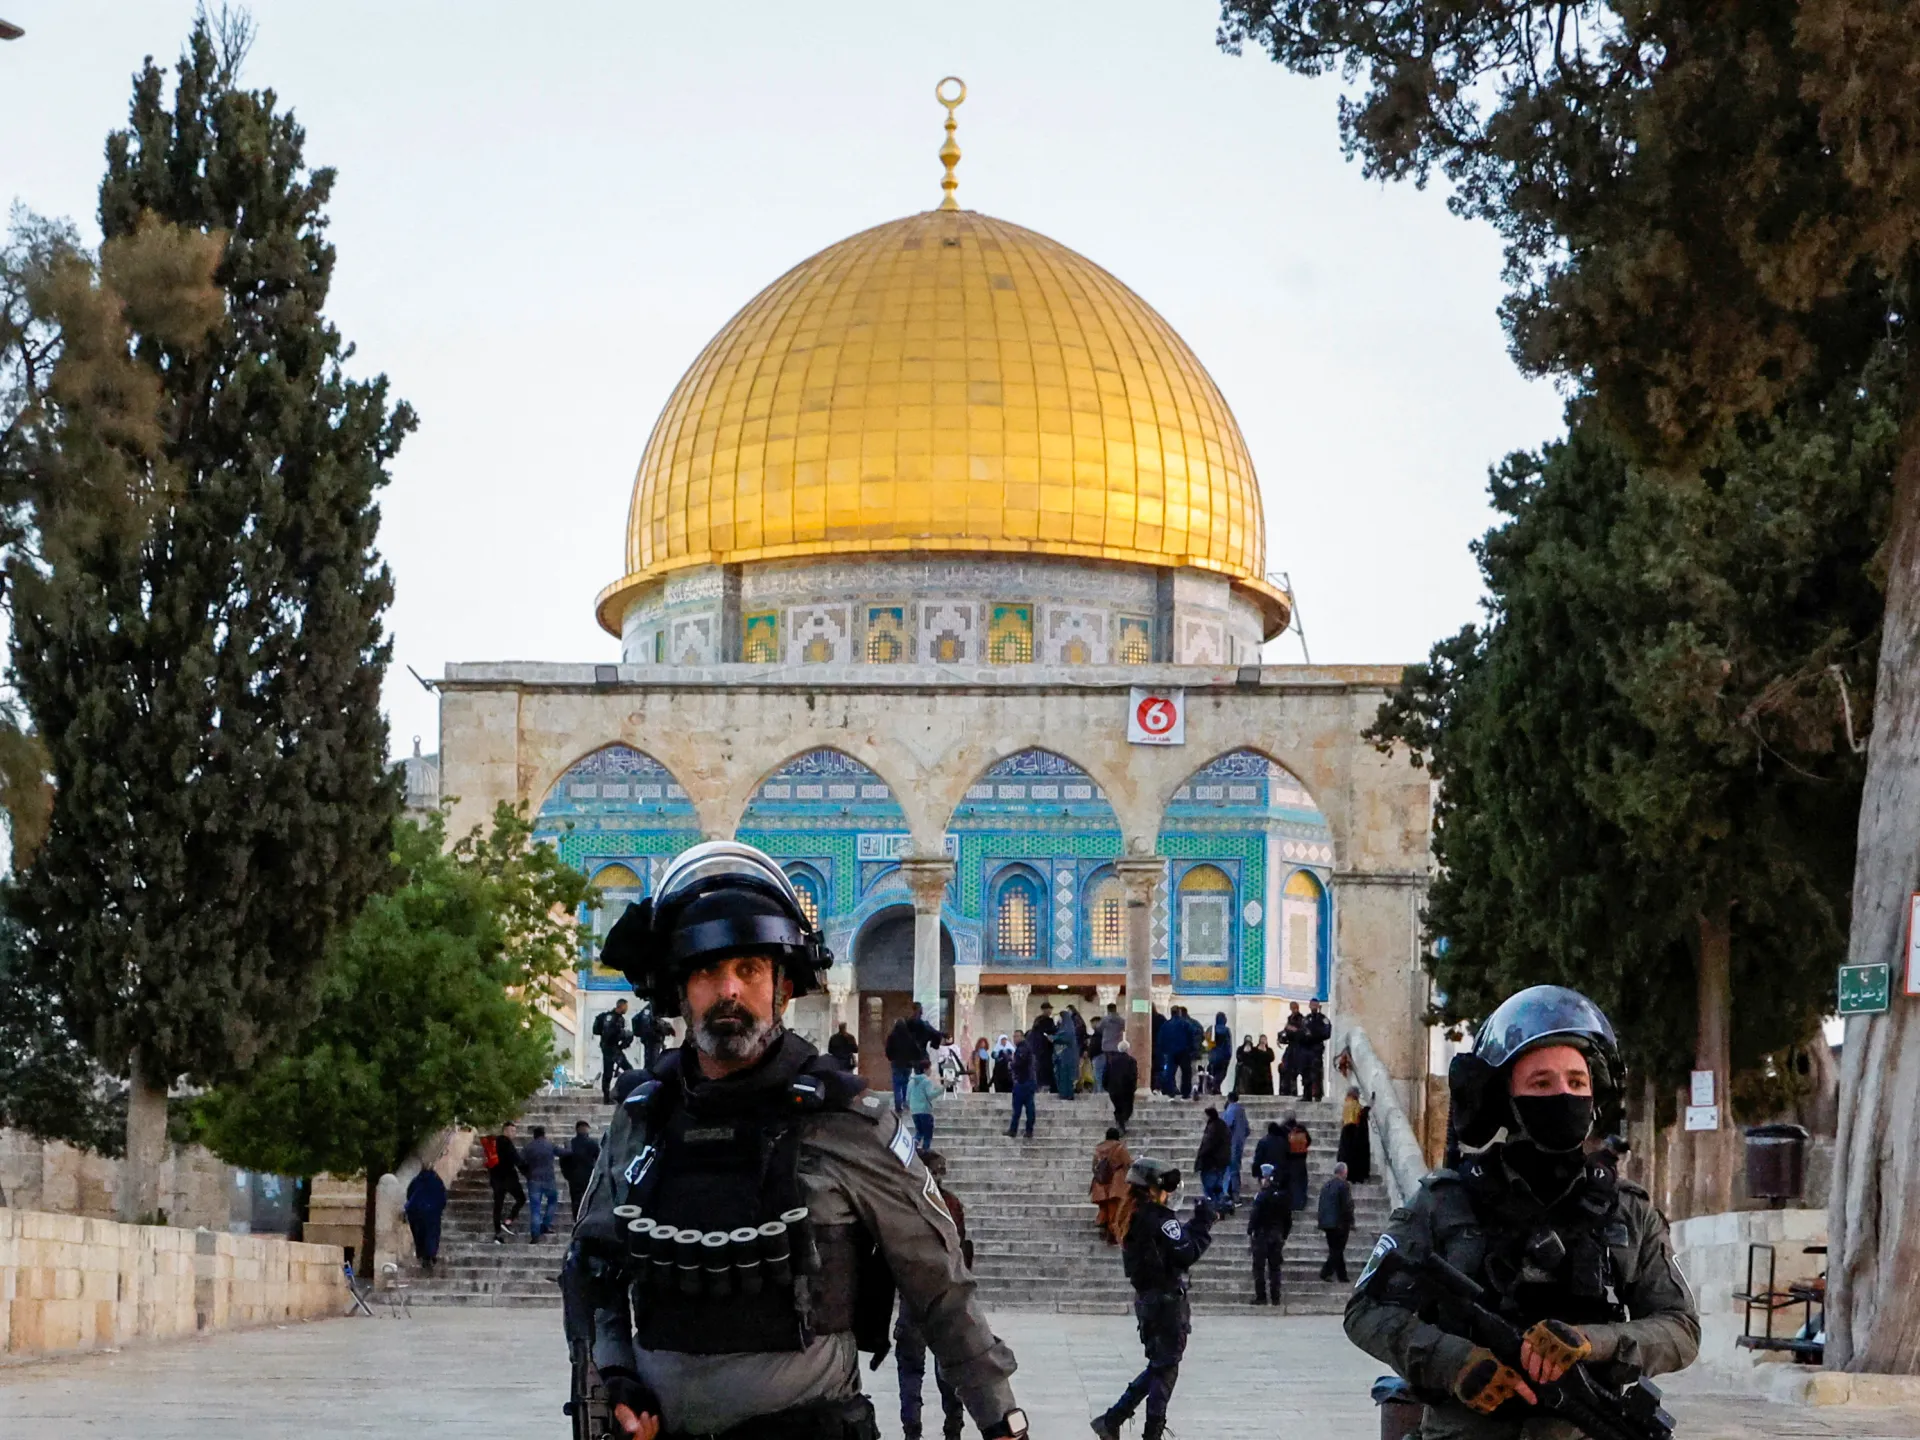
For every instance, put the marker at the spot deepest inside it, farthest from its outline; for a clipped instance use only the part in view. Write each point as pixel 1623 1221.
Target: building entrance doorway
pixel 883 975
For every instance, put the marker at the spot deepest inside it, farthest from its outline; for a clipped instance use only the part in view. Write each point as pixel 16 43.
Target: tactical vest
pixel 722 1256
pixel 1541 1261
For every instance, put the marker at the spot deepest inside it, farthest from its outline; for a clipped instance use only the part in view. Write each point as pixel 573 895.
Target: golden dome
pixel 946 383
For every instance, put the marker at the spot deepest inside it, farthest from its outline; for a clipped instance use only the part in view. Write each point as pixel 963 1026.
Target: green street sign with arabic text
pixel 1863 989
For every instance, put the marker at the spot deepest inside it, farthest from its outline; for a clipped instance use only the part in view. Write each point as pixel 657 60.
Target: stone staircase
pixel 1035 1244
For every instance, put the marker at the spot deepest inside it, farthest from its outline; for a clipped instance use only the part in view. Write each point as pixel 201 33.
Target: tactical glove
pixel 1559 1345
pixel 628 1389
pixel 1484 1384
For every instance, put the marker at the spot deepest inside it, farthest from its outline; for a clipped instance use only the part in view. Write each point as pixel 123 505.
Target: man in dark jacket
pixel 615 1037
pixel 1026 1081
pixel 844 1048
pixel 906 1051
pixel 1182 1038
pixel 1336 1219
pixel 1122 1081
pixel 1269 1223
pixel 1215 1154
pixel 1272 1150
pixel 538 1159
pixel 1293 1041
pixel 1313 1059
pixel 583 1152
pixel 646 1029
pixel 503 1177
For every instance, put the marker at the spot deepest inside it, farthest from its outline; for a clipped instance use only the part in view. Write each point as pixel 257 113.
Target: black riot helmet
pixel 716 900
pixel 1537 1016
pixel 1153 1174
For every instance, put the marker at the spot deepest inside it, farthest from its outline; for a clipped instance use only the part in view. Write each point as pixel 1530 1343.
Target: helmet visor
pixel 1538 1016
pixel 720 861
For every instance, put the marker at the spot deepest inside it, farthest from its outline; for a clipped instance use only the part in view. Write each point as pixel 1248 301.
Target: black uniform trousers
pixel 612 1062
pixel 1164 1320
pixel 910 1359
pixel 1336 1266
pixel 1267 1246
pixel 1122 1108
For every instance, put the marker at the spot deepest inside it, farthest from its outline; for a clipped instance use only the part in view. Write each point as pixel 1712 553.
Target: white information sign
pixel 1913 944
pixel 1703 1117
pixel 1702 1093
pixel 1156 717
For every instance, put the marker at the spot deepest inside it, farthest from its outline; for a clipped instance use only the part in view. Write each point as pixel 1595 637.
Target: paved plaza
pixel 502 1373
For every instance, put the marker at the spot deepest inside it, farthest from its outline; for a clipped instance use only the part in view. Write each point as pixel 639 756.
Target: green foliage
pixel 1700 201
pixel 197 636
pixel 49 1086
pixel 429 1014
pixel 1652 725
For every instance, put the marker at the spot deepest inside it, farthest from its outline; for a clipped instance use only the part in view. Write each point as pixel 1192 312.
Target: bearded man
pixel 755 1207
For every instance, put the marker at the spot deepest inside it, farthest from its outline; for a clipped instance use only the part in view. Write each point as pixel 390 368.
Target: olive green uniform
pixel 857 1166
pixel 1449 1215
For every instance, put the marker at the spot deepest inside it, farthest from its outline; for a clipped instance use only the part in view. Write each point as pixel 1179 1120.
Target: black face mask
pixel 1555 1123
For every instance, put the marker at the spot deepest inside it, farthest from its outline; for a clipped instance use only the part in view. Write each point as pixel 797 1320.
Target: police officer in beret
pixel 1575 1256
pixel 755 1208
pixel 1157 1253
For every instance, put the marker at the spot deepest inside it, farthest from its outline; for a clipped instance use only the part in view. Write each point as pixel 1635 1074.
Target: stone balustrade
pixel 68 1283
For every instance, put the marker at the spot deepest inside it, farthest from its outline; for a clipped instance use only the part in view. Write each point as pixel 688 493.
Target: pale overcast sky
pixel 543 212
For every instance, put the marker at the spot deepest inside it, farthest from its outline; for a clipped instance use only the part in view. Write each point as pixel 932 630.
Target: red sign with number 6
pixel 1157 717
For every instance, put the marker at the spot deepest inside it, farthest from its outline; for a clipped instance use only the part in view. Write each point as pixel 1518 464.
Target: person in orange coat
pixel 1110 1191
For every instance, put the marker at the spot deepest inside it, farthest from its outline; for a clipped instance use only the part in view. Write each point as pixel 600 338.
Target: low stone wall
pixel 196 1188
pixel 69 1283
pixel 1712 1251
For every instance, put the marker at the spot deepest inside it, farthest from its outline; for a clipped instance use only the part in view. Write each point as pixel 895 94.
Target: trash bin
pixel 1777 1163
pixel 1399 1411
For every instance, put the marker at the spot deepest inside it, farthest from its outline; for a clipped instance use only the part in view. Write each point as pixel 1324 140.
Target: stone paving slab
pixel 501 1373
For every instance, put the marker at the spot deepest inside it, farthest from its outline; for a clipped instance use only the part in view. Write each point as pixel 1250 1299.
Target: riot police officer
pixel 1157 1254
pixel 1573 1255
pixel 754 1208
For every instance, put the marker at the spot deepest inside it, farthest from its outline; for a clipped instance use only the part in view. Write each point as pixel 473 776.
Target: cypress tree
pixel 201 647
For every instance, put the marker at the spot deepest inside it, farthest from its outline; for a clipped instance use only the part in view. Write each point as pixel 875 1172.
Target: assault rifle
pixel 1600 1411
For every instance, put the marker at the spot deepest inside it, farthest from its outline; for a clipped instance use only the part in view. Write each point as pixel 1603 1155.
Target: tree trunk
pixel 1873 1228
pixel 1713 1150
pixel 139 1199
pixel 363 1263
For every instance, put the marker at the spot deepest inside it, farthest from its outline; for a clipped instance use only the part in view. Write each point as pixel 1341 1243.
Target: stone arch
pixel 963 766
pixel 756 772
pixel 1245 812
pixel 1038 808
pixel 1168 788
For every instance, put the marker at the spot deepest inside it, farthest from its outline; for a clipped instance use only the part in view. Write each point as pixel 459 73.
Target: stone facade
pixel 922 740
pixel 68 1283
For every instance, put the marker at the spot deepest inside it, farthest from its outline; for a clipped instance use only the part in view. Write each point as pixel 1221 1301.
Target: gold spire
pixel 950 152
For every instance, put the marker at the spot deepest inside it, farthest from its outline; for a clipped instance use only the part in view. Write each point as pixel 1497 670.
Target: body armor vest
pixel 1540 1261
pixel 723 1258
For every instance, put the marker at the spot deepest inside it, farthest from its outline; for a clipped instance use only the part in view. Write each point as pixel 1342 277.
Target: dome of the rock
pixel 948 385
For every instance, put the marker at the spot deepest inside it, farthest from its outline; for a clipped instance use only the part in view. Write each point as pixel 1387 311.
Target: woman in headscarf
pixel 1243 1068
pixel 1066 1059
pixel 1110 1191
pixel 1263 1058
pixel 426 1202
pixel 1356 1144
pixel 1219 1052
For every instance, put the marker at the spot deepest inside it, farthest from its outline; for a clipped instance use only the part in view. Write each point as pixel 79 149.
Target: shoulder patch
pixel 1171 1229
pixel 1631 1188
pixel 1382 1248
pixel 902 1146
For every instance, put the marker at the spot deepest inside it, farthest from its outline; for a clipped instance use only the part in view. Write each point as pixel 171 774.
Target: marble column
pixel 1140 876
pixel 966 999
pixel 843 1001
pixel 928 880
pixel 1019 995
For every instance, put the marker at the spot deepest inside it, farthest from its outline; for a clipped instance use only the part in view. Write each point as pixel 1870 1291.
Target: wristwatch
pixel 1010 1426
